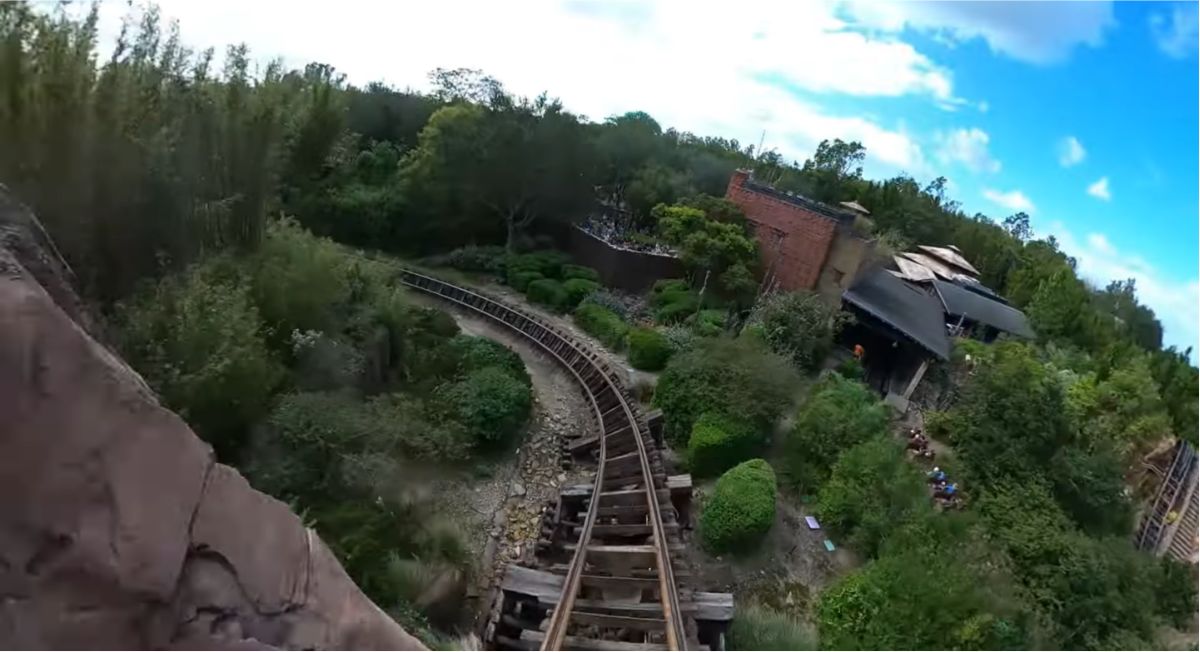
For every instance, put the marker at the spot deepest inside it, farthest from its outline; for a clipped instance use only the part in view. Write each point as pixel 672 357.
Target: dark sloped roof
pixel 961 301
pixel 913 312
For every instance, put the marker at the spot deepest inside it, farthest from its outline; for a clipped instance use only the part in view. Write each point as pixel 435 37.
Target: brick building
pixel 805 245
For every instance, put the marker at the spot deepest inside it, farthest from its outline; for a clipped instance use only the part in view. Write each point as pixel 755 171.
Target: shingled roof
pixel 916 314
pixel 961 301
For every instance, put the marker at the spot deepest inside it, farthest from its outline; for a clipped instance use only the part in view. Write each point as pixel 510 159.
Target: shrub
pixel 299 282
pixel 578 289
pixel 490 403
pixel 707 323
pixel 489 259
pixel 838 414
pixel 474 353
pixel 872 491
pixel 199 343
pixel 602 324
pixel 580 272
pixel 649 350
pixel 547 292
pixel 520 279
pixel 727 376
pixel 798 325
pixel 680 338
pixel 673 308
pixel 741 510
pixel 548 263
pixel 756 627
pixel 719 442
pixel 668 285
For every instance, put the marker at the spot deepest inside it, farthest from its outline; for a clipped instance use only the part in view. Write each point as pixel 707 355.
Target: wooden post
pixel 912 384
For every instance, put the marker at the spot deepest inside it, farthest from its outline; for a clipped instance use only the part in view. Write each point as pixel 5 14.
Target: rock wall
pixel 117 527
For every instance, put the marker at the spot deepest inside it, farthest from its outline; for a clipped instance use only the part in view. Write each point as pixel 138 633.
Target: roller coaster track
pixel 630 483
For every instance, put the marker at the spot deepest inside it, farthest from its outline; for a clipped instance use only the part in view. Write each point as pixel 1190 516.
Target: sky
pixel 1081 114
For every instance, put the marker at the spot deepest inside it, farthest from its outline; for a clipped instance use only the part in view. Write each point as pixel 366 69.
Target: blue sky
pixel 1083 114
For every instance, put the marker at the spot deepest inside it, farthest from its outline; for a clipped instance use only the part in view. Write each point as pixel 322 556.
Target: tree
pixel 872 491
pixel 724 251
pixel 799 326
pixel 516 161
pixel 833 167
pixel 721 375
pixel 838 415
pixel 1018 227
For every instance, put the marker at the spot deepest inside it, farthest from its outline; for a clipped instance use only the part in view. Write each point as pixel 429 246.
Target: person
pixel 1172 516
pixel 937 475
pixel 858 352
pixel 947 491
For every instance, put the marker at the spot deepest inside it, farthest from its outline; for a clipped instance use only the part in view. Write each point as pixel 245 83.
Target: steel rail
pixel 570 354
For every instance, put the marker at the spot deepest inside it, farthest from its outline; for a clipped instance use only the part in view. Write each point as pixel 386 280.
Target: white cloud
pixel 1175 302
pixel 694 67
pixel 1177 33
pixel 1034 32
pixel 1070 152
pixel 1013 200
pixel 1100 190
pixel 968 147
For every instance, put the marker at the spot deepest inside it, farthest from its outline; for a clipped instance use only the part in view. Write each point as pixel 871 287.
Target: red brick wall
pixel 796 260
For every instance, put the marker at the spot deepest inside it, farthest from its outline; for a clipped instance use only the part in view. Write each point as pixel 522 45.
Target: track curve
pixel 623 439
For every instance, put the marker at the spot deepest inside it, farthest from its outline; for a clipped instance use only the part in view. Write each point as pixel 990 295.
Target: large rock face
pixel 117 527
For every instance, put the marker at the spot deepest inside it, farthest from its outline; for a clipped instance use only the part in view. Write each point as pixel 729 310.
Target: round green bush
pixel 490 403
pixel 520 279
pixel 666 285
pixel 547 292
pixel 649 349
pixel 580 272
pixel 741 510
pixel 548 263
pixel 707 323
pixel 719 442
pixel 675 307
pixel 602 324
pixel 578 289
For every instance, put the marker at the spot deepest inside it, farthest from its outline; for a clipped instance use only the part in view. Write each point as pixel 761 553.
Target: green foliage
pixel 872 491
pixel 649 350
pixel 756 627
pixel 719 442
pixel 724 249
pixel 478 352
pixel 547 292
pixel 799 326
pixel 299 283
pixel 602 324
pixel 491 404
pixel 576 290
pixel 722 375
pixel 1176 592
pixel 673 301
pixel 511 161
pixel 580 272
pixel 741 510
pixel 198 340
pixel 548 263
pixel 707 323
pixel 489 259
pixel 918 598
pixel 838 415
pixel 520 279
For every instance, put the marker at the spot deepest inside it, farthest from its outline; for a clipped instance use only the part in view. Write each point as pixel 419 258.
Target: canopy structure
pixel 959 301
pixel 916 314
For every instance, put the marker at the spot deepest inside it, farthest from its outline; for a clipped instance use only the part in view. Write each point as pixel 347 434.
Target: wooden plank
pixel 610 620
pixel 630 497
pixel 530 637
pixel 617 582
pixel 638 555
pixel 712 606
pixel 627 529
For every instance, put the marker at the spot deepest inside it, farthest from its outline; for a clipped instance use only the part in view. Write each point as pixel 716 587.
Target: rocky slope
pixel 117 527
